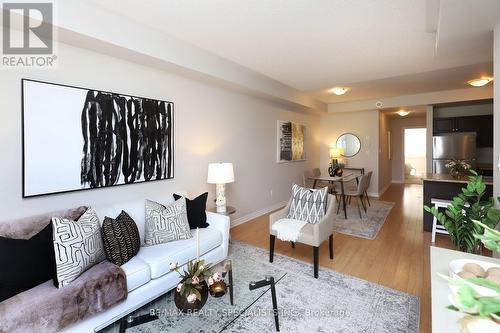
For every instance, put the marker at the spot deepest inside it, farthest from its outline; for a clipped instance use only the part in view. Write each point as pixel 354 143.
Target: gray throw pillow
pixel 77 246
pixel 307 204
pixel 166 224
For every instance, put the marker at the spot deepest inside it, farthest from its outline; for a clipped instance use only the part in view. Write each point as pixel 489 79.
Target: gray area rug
pixel 333 303
pixel 366 227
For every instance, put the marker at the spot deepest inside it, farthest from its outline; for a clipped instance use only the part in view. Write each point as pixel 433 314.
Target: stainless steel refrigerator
pixel 457 146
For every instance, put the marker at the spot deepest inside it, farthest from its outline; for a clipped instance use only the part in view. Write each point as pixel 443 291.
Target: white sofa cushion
pixel 138 273
pixel 158 257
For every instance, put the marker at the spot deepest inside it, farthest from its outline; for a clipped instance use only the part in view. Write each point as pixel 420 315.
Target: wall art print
pixel 291 137
pixel 76 138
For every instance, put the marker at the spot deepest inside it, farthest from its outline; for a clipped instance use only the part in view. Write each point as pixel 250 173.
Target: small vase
pixel 186 307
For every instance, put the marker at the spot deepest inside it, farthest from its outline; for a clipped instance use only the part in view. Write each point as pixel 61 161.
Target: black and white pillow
pixel 166 224
pixel 121 238
pixel 307 204
pixel 77 246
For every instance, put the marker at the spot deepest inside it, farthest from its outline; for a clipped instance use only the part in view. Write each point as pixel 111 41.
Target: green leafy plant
pixel 490 238
pixel 467 206
pixel 466 299
pixel 191 279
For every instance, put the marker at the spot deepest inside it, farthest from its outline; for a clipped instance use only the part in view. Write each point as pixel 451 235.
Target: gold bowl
pixel 218 289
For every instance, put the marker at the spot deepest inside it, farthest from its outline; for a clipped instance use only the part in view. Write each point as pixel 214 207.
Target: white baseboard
pixel 381 192
pixel 258 213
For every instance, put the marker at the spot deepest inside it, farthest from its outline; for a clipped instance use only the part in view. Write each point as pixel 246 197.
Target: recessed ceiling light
pixel 480 82
pixel 403 113
pixel 339 90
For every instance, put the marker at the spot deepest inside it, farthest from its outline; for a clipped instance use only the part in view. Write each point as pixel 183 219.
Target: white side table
pixel 229 211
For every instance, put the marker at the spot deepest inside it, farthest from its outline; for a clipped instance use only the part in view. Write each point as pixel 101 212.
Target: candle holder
pixel 218 289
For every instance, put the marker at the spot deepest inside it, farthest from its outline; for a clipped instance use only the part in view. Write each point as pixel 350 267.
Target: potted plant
pixel 490 238
pixel 458 168
pixel 192 291
pixel 467 206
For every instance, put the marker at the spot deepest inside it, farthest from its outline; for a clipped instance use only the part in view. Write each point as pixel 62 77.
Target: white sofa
pixel 148 274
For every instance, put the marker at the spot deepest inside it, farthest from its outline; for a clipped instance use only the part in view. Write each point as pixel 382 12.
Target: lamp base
pixel 220 195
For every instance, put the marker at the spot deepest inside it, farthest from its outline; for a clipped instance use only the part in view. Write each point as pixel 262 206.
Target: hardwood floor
pixel 398 258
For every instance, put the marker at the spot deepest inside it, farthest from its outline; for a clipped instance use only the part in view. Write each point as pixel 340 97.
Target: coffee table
pixel 217 314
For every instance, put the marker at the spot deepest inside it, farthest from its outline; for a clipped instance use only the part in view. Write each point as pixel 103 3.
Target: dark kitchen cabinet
pixel 444 125
pixel 482 125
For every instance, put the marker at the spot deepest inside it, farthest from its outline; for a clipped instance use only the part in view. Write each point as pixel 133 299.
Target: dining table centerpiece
pixel 458 168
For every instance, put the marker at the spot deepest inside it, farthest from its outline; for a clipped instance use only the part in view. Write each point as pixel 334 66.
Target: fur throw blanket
pixel 48 309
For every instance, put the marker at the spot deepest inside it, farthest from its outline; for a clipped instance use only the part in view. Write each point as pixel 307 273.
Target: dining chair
pixel 355 186
pixel 359 192
pixel 307 176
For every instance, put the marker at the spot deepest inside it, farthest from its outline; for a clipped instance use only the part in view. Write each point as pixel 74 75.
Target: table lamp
pixel 220 174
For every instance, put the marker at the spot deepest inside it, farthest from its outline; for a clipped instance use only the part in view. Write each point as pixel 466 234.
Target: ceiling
pixel 415 111
pixel 377 48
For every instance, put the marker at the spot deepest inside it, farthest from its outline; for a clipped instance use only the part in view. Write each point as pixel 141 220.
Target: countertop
pixel 443 319
pixel 434 177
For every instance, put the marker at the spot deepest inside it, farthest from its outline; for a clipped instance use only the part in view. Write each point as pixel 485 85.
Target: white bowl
pixel 456 266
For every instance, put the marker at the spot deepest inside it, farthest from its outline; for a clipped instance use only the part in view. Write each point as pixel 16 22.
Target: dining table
pixel 345 178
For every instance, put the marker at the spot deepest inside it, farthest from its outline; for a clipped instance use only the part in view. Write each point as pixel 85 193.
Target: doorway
pixel 414 155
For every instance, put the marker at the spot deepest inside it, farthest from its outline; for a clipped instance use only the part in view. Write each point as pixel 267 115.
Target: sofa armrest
pixel 221 223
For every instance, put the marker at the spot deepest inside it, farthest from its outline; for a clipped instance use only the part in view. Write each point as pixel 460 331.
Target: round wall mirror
pixel 349 143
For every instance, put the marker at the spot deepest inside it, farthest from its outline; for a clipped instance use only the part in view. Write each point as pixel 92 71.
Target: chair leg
pixel 293 245
pixel 359 209
pixel 434 225
pixel 272 240
pixel 338 206
pixel 361 197
pixel 316 261
pixel 367 198
pixel 330 245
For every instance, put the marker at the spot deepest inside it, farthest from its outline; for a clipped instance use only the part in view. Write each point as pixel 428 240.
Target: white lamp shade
pixel 220 173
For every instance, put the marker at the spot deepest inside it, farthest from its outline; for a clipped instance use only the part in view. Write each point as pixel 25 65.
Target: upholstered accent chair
pixel 311 234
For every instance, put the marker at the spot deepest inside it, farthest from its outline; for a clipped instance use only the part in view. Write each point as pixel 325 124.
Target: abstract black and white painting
pixel 290 142
pixel 76 138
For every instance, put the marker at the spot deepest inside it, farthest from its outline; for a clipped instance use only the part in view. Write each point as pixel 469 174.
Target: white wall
pixel 384 163
pixel 365 125
pixel 429 115
pixel 496 107
pixel 475 109
pixel 211 124
pixel 397 127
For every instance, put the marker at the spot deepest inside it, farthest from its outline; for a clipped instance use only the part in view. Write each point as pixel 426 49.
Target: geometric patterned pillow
pixel 77 245
pixel 308 205
pixel 121 238
pixel 166 224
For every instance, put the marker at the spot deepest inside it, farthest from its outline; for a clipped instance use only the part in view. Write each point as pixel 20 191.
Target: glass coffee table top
pixel 218 313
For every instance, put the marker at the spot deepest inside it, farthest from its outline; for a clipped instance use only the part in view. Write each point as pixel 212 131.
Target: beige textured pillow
pixel 166 224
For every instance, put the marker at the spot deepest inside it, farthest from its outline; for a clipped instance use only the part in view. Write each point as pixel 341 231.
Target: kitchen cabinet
pixel 482 125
